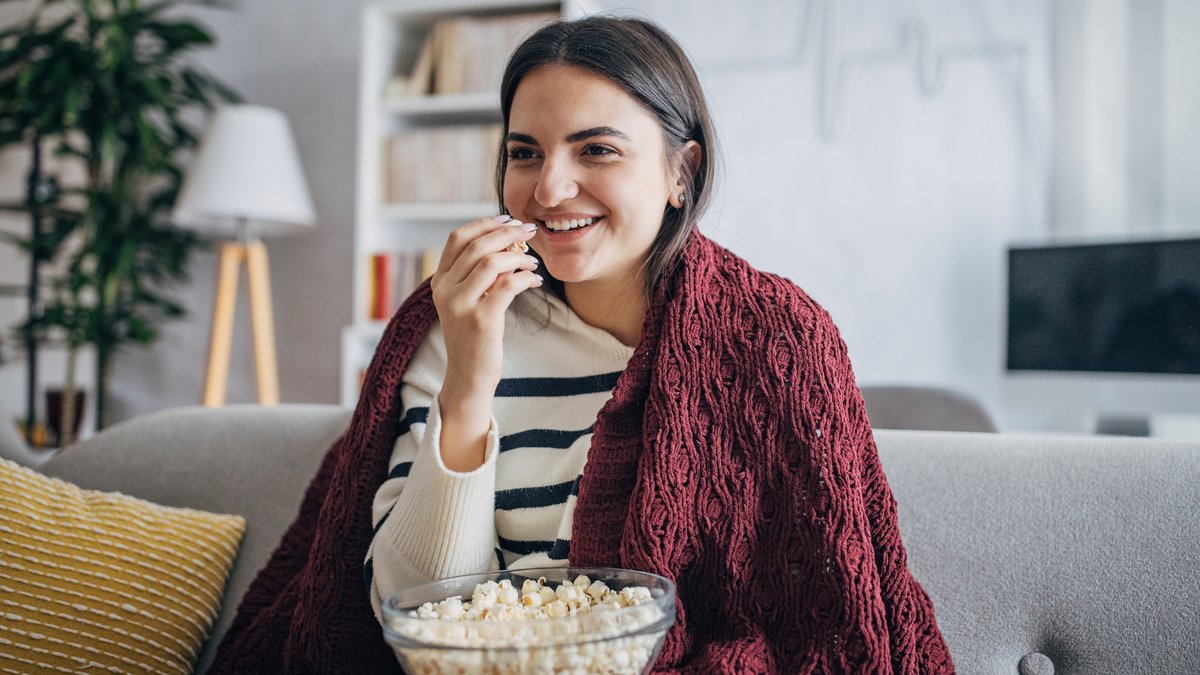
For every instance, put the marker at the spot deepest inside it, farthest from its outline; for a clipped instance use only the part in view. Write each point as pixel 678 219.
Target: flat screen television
pixel 1131 307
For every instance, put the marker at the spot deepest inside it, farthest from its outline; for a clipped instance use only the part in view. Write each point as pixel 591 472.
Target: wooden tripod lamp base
pixel 246 171
pixel 216 379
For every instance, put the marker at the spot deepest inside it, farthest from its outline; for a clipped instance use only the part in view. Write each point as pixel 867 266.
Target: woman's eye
pixel 518 154
pixel 598 151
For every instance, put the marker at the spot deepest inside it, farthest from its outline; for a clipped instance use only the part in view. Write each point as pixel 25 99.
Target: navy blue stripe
pixel 542 438
pixel 413 416
pixel 369 573
pixel 400 470
pixel 534 497
pixel 560 549
pixel 523 547
pixel 557 386
pixel 382 520
pixel 500 560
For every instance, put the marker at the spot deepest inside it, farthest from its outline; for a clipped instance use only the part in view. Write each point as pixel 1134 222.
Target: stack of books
pixel 466 54
pixel 440 164
pixel 394 275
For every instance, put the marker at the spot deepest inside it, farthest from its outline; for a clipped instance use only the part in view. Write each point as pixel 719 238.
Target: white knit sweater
pixel 515 510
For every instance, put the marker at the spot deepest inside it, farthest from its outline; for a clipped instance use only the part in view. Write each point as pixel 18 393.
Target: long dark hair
pixel 646 62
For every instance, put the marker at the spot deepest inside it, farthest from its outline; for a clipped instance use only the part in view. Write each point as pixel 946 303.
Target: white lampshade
pixel 248 170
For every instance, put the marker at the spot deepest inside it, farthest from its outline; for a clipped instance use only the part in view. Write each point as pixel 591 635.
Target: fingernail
pixel 503 218
pixel 539 278
pixel 531 260
pixel 529 227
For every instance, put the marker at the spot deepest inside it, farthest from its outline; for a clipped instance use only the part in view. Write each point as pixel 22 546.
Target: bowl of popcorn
pixel 544 620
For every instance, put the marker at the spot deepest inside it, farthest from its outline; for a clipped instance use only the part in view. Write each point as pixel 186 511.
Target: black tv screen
pixel 1123 307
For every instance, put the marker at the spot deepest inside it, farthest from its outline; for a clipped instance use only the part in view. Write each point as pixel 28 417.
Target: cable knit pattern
pixel 735 457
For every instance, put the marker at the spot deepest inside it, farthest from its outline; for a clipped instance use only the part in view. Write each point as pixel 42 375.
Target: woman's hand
pixel 476 280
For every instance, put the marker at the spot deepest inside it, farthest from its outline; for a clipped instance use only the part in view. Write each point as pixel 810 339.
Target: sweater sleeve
pixel 430 522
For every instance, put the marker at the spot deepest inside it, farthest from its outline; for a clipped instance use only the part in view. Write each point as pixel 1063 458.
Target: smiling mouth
pixel 568 225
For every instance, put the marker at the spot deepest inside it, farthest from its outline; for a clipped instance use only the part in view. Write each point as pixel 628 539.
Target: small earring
pixel 682 197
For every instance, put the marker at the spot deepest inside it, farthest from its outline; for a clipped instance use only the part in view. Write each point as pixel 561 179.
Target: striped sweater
pixel 516 509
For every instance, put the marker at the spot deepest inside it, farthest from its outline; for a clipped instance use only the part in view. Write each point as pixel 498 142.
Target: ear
pixel 687 163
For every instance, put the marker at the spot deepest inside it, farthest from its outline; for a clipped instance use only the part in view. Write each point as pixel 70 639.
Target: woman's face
pixel 588 164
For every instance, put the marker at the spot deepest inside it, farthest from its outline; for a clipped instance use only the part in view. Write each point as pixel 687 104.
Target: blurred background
pixel 882 154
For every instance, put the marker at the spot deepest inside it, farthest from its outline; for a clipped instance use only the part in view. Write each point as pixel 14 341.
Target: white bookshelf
pixel 392 36
pixel 434 212
pixel 474 105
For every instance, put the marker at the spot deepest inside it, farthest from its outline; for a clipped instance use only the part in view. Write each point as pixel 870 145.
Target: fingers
pixel 463 296
pixel 461 237
pixel 481 313
pixel 492 269
pixel 507 287
pixel 477 265
pixel 469 243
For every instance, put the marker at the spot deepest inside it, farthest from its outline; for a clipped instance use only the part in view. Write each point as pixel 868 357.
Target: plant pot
pixel 54 414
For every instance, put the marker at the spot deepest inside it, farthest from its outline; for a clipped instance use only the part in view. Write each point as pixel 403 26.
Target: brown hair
pixel 650 66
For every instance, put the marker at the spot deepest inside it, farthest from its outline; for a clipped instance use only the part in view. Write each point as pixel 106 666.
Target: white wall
pixel 880 153
pixel 1182 112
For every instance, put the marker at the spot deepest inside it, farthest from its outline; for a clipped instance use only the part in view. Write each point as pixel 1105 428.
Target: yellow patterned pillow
pixel 94 580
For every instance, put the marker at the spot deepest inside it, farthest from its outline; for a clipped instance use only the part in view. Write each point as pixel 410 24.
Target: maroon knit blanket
pixel 734 457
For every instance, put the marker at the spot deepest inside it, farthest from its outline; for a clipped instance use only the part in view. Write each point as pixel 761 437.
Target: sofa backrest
pixel 1073 553
pixel 247 460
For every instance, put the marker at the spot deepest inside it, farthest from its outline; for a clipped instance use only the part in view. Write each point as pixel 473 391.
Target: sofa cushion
pixel 1075 554
pixel 251 460
pixel 96 580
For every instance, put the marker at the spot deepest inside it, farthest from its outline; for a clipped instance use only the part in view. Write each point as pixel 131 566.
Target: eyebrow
pixel 572 138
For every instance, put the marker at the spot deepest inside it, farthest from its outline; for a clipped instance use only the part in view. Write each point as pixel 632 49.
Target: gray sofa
pixel 1042 554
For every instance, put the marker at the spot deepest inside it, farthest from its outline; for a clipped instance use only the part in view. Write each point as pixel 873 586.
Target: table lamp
pixel 246 182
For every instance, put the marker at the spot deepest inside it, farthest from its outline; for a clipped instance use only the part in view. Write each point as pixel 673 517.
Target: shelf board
pixel 450 212
pixel 447 107
pixel 366 329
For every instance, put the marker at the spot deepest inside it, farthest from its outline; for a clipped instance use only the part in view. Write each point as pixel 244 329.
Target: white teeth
pixel 564 225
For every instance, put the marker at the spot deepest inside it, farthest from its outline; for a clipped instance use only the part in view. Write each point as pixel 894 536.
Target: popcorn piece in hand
pixel 518 246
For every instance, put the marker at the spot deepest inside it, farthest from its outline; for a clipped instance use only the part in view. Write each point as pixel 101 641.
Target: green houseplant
pixel 106 85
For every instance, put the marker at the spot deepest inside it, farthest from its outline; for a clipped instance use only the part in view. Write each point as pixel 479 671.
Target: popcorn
pixel 597 590
pixel 517 246
pixel 536 629
pixel 508 595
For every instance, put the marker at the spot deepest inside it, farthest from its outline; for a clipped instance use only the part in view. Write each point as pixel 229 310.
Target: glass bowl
pixel 623 640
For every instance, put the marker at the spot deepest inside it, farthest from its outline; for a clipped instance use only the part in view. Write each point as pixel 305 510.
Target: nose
pixel 556 183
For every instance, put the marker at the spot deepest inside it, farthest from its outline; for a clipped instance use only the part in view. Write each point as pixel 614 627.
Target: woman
pixel 589 173
pixel 633 395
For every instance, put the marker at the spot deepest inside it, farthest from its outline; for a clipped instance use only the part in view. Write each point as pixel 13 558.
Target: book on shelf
pixel 440 164
pixel 394 275
pixel 464 54
pixel 429 263
pixel 382 285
